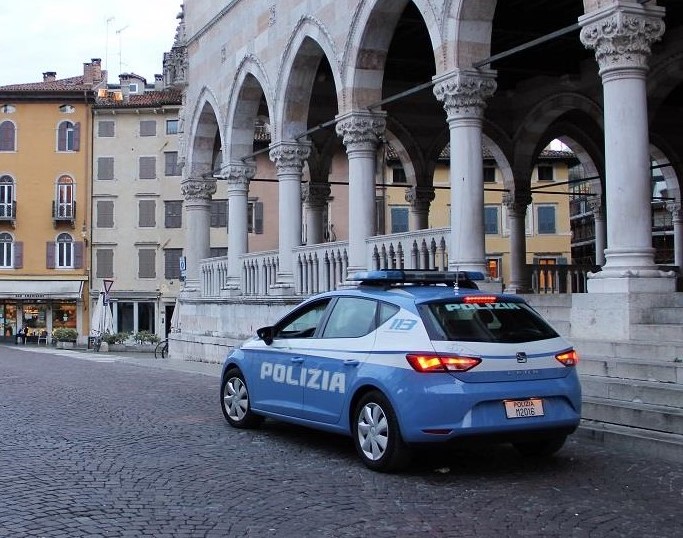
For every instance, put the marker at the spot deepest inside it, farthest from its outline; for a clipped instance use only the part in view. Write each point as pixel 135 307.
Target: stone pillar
pixel 621 35
pixel 238 176
pixel 419 198
pixel 463 94
pixel 289 158
pixel 677 215
pixel 197 192
pixel 314 196
pixel 517 204
pixel 595 203
pixel 361 132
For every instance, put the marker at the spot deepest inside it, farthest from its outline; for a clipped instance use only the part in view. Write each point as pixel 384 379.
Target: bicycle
pixel 161 349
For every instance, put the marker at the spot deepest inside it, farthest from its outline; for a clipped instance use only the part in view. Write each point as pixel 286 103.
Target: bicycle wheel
pixel 161 350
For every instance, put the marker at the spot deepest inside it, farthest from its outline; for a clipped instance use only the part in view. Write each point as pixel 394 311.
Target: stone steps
pixel 633 391
pixel 657 332
pixel 668 352
pixel 646 417
pixel 631 369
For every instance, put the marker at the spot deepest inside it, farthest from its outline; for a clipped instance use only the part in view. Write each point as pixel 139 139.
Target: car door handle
pixel 297 360
pixel 351 362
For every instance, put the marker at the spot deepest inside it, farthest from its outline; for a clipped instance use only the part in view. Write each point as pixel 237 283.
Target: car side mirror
pixel 266 334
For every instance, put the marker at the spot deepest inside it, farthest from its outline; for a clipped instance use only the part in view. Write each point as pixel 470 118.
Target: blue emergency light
pixel 417 277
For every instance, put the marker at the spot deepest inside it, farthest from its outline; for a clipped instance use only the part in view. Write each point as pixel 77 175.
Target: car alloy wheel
pixel 235 401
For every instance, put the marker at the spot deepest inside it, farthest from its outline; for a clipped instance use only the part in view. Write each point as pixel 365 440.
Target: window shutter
pixel 7 136
pixel 258 217
pixel 19 254
pixel 61 136
pixel 105 168
pixel 79 250
pixel 105 129
pixel 105 263
pixel 172 263
pixel 50 255
pixel 77 136
pixel 105 214
pixel 146 262
pixel 148 167
pixel 147 218
pixel 148 128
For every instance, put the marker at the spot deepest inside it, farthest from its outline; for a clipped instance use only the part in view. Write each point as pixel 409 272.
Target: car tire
pixel 541 448
pixel 235 401
pixel 377 435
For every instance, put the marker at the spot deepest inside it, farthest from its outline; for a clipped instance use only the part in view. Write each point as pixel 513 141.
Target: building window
pixel 133 87
pixel 148 128
pixel 546 219
pixel 173 214
pixel 6 198
pixel 172 263
pixel 67 109
pixel 147 213
pixel 8 109
pixel 105 263
pixel 380 224
pixel 106 128
pixel 219 213
pixel 5 250
pixel 65 252
pixel 493 267
pixel 398 175
pixel 7 136
pixel 171 167
pixel 68 136
pixel 491 222
pixel 546 280
pixel 545 172
pixel 255 217
pixel 171 127
pixel 148 168
pixel 218 252
pixel 147 263
pixel 105 168
pixel 66 207
pixel 105 214
pixel 489 174
pixel 399 220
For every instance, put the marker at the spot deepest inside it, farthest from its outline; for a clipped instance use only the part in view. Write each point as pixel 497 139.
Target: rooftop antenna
pixel 106 45
pixel 118 33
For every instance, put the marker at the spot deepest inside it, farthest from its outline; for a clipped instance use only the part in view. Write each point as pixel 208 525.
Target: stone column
pixel 197 192
pixel 463 94
pixel 595 203
pixel 238 176
pixel 677 214
pixel 314 196
pixel 517 204
pixel 419 198
pixel 289 158
pixel 621 35
pixel 361 132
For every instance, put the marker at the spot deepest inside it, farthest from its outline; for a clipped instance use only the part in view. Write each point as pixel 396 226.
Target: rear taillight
pixel 568 358
pixel 435 362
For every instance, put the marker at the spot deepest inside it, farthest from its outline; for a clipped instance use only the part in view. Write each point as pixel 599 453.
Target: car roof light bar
pixel 409 276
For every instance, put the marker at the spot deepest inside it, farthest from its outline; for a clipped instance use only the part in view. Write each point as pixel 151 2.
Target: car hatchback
pixel 407 358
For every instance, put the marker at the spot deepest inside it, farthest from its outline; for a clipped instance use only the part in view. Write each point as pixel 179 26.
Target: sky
pixel 62 35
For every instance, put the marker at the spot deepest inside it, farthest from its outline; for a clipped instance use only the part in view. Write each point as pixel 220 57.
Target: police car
pixel 405 358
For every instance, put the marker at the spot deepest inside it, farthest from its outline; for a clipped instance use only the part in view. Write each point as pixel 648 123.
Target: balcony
pixel 64 213
pixel 8 212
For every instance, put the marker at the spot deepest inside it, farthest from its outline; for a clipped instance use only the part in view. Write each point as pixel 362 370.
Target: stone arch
pixel 309 43
pixel 395 134
pixel 374 25
pixel 663 79
pixel 467 26
pixel 204 129
pixel 250 86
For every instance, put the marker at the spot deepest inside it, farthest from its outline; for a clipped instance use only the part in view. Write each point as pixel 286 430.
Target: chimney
pixel 92 72
pixel 49 76
pixel 124 80
pixel 158 82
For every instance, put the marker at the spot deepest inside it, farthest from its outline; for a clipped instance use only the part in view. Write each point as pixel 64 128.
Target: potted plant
pixel 65 337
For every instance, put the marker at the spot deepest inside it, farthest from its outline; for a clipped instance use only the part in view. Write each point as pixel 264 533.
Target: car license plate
pixel 524 408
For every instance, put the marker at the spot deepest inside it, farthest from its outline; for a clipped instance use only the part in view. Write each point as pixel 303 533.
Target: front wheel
pixel 541 448
pixel 235 401
pixel 377 436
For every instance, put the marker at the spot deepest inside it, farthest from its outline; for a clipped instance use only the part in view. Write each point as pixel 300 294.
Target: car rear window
pixel 503 322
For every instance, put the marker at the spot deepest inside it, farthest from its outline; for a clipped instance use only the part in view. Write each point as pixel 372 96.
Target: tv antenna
pixel 118 33
pixel 106 45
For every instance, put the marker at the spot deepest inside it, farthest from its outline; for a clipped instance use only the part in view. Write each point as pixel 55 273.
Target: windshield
pixel 503 322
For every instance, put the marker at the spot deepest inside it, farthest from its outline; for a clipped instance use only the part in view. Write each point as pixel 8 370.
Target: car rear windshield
pixel 503 322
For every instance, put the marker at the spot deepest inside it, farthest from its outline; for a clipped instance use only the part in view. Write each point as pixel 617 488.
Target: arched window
pixel 7 136
pixel 5 250
pixel 65 251
pixel 65 197
pixel 6 198
pixel 68 136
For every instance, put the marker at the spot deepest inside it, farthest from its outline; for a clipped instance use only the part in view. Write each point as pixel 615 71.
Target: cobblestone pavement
pixel 95 445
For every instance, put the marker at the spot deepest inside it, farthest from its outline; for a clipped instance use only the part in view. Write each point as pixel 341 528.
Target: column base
pixel 650 281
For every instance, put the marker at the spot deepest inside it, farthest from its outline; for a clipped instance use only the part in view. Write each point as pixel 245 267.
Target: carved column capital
pixel 621 35
pixel 198 189
pixel 238 175
pixel 595 205
pixel 289 157
pixel 675 209
pixel 517 202
pixel 419 197
pixel 464 92
pixel 362 129
pixel 315 194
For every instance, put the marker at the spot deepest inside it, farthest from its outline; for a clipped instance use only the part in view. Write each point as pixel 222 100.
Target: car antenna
pixel 456 286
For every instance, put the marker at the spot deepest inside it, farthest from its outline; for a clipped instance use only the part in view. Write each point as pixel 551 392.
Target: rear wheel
pixel 540 448
pixel 235 401
pixel 377 436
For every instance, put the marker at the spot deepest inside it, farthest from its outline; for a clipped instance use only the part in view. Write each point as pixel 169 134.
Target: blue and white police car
pixel 409 357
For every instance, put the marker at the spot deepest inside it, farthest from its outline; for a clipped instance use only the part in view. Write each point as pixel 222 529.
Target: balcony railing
pixel 8 211
pixel 558 278
pixel 64 212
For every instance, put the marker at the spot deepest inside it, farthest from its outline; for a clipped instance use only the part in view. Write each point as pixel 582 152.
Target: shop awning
pixel 41 289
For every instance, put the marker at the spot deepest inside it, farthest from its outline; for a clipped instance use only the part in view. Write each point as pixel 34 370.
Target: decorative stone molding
pixel 315 194
pixel 198 189
pixel 595 204
pixel 517 202
pixel 464 92
pixel 361 130
pixel 621 36
pixel 238 176
pixel 420 198
pixel 175 62
pixel 289 157
pixel 675 209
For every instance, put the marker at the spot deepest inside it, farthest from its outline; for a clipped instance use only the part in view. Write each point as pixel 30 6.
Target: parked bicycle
pixel 161 350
